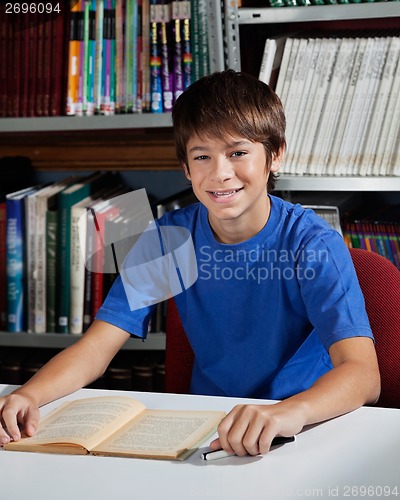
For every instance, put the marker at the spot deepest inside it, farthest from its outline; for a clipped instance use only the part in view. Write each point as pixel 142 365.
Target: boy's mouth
pixel 226 193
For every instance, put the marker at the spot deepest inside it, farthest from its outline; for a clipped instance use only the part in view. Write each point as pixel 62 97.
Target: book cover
pixel 155 62
pixel 3 263
pixel 78 242
pixel 40 19
pixel 4 55
pixel 43 201
pixel 24 67
pixel 366 162
pixel 119 57
pixel 51 269
pixel 271 59
pixel 33 63
pixel 57 66
pixel 166 59
pixel 146 100
pixel 98 68
pixel 120 426
pixel 15 260
pixel 65 200
pixel 177 64
pixel 73 59
pixel 374 68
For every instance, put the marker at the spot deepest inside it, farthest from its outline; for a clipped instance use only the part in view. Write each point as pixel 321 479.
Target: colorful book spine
pixel 187 54
pixel 155 62
pixel 195 38
pixel 119 57
pixel 73 60
pixel 166 73
pixel 129 56
pixel 139 57
pixel 178 51
pixel 15 259
pixel 108 70
pixel 82 58
pixel 99 60
pixel 146 55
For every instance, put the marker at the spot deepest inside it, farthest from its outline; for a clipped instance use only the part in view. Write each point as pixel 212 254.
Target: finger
pixel 232 431
pixel 4 437
pixel 216 444
pixel 10 421
pixel 31 421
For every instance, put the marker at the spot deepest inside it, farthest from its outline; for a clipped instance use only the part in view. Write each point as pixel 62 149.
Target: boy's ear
pixel 277 160
pixel 186 171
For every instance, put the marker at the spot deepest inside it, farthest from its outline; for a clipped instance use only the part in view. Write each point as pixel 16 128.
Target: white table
pixel 338 458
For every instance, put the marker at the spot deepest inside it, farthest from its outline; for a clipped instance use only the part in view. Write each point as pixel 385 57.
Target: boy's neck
pixel 231 231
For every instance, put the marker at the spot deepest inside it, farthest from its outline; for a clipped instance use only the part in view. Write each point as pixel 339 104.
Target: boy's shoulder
pixel 185 216
pixel 294 217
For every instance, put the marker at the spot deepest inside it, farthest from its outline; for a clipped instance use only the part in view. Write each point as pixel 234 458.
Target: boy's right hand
pixel 17 410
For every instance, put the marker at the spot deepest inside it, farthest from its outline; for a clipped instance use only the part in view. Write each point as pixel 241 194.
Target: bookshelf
pixel 144 141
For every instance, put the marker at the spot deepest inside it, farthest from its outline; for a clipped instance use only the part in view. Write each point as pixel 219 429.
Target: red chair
pixel 178 353
pixel 380 283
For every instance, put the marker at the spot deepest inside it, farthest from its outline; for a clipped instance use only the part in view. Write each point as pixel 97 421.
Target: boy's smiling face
pixel 229 177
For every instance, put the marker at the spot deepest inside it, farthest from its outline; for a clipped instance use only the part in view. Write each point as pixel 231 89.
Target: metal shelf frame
pixel 336 183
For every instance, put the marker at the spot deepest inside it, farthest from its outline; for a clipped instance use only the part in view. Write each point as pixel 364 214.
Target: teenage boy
pixel 276 311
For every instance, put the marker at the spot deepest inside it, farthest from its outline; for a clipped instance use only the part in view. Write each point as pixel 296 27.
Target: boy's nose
pixel 221 171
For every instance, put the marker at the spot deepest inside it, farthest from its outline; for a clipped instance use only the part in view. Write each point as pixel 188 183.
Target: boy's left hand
pixel 249 429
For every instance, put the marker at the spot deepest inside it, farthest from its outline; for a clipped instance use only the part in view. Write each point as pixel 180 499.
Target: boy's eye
pixel 201 157
pixel 238 154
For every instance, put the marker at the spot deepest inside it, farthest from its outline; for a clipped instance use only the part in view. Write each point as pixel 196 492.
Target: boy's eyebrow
pixel 233 144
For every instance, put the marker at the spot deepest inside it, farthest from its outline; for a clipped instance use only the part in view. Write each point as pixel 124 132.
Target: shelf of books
pixel 339 84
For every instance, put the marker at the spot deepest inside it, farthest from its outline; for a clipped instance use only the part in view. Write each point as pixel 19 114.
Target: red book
pixel 46 68
pixel 4 54
pixel 39 62
pixel 14 39
pixel 32 68
pixel 56 65
pixel 109 212
pixel 24 84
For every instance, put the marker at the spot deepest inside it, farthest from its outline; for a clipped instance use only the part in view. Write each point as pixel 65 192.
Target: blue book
pixel 15 259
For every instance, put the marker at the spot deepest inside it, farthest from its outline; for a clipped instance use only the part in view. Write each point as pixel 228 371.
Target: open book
pixel 120 426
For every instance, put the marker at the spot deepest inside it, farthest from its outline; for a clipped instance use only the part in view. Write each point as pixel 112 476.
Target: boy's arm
pixel 73 368
pixel 354 381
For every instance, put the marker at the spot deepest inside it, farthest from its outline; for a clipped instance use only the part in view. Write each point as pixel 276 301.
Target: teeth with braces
pixel 225 194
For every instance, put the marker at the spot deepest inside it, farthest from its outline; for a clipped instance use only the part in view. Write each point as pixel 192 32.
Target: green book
pixel 65 199
pixel 51 258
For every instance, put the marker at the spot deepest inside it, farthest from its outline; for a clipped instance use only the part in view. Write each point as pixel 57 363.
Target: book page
pixel 84 422
pixel 161 434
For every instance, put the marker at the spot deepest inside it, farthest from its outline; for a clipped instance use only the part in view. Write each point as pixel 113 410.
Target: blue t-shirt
pixel 263 313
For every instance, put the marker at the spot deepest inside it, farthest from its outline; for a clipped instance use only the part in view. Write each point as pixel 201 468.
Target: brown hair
pixel 234 103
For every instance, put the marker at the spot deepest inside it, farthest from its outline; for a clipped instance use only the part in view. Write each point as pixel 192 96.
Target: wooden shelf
pixel 154 341
pixel 73 123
